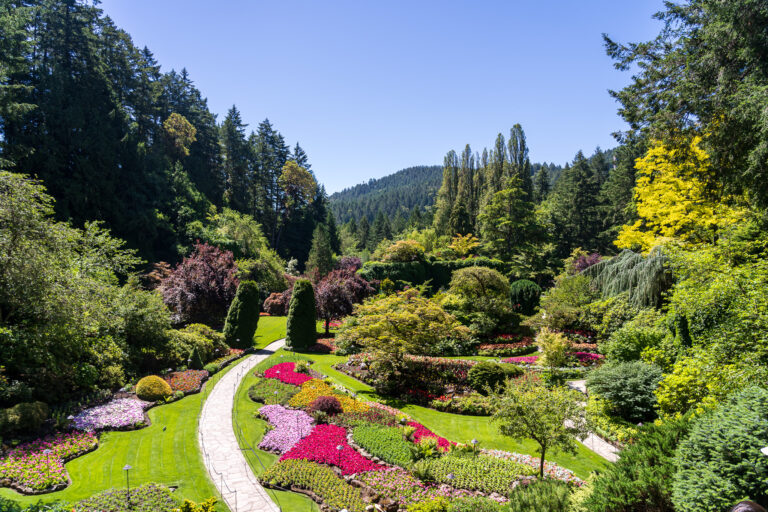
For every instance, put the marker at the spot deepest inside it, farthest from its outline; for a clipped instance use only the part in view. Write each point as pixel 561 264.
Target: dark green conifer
pixel 243 316
pixel 301 330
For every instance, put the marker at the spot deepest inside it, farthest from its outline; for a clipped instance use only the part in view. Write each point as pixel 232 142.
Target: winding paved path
pixel 593 442
pixel 223 459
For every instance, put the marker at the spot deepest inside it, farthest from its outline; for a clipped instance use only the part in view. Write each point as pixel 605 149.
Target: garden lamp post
pixel 338 449
pixel 47 454
pixel 450 477
pixel 127 468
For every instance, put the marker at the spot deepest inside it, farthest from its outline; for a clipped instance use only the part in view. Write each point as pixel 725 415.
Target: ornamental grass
pixel 29 467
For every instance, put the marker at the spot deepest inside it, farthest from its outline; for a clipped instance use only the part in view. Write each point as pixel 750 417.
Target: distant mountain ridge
pixel 398 192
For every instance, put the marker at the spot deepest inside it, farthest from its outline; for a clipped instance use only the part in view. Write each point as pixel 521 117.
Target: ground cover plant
pixel 119 413
pixel 474 472
pixel 321 480
pixel 144 498
pixel 290 427
pixel 188 381
pixel 402 487
pixel 327 444
pixel 39 465
pixel 271 391
pixel 387 443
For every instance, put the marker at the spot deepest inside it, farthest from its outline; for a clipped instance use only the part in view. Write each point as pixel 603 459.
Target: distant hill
pixel 401 191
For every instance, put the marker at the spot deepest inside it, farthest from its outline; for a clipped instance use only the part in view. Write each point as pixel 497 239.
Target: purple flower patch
pixel 291 426
pixel 119 413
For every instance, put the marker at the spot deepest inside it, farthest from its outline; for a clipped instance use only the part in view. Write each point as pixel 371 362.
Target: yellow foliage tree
pixel 672 200
pixel 464 245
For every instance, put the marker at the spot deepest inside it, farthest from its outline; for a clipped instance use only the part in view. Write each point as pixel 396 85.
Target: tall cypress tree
pixel 236 161
pixel 301 331
pixel 320 260
pixel 518 157
pixel 333 232
pixel 243 316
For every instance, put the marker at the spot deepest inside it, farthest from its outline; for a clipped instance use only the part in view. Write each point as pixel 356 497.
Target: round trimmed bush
pixel 491 375
pixel 720 463
pixel 243 316
pixel 24 417
pixel 152 388
pixel 330 405
pixel 301 331
pixel 525 296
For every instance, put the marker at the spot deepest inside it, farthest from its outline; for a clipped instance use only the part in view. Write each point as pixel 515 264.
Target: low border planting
pixel 271 391
pixel 475 472
pixel 145 498
pixel 386 443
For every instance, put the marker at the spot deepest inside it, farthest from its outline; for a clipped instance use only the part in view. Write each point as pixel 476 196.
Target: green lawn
pixel 169 457
pixel 271 328
pixel 455 427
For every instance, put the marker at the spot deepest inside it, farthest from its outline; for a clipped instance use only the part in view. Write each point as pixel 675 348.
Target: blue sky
pixel 369 88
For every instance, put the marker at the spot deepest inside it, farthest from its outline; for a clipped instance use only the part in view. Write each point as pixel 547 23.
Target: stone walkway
pixel 223 459
pixel 593 442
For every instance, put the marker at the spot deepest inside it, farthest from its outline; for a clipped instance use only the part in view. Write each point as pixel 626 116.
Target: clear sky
pixel 369 88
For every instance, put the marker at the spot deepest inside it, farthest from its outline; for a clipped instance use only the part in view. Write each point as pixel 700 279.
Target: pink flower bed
pixel 521 360
pixel 286 372
pixel 321 446
pixel 119 413
pixel 421 432
pixel 291 426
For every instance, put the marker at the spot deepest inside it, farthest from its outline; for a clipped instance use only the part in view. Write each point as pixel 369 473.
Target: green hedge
pixel 438 272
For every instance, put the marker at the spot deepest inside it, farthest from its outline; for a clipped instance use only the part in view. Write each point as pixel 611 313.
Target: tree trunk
pixel 541 464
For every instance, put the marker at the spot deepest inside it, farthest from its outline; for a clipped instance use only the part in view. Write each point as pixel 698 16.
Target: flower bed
pixel 551 470
pixel 322 446
pixel 121 413
pixel 579 335
pixel 147 497
pixel 30 470
pixel 324 346
pixel 291 426
pixel 405 489
pixel 476 473
pixel 189 381
pixel 473 405
pixel 286 373
pixel 221 362
pixel 584 347
pixel 583 358
pixel 421 432
pixel 386 443
pixel 391 410
pixel 319 482
pixel 271 391
pixel 315 388
pixel 507 349
pixel 521 360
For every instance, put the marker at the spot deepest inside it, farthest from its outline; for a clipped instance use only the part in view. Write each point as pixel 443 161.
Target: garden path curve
pixel 592 441
pixel 221 453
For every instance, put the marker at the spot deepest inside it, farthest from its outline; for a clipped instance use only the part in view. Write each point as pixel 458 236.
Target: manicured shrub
pixel 153 388
pixel 525 296
pixel 629 389
pixel 476 473
pixel 386 443
pixel 243 316
pixel 554 348
pixel 195 361
pixel 277 303
pixel 329 405
pixel 549 495
pixel 720 463
pixel 489 375
pixel 211 368
pixel 24 417
pixel 301 332
pixel 404 251
pixel 321 480
pixel 641 480
pixel 271 391
pixel 154 497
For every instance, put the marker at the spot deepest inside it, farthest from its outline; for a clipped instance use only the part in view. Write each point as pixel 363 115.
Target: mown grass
pixel 271 328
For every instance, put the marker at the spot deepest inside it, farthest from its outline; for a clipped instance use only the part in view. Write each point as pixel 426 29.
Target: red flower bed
pixel 494 346
pixel 187 381
pixel 285 372
pixel 421 432
pixel 323 346
pixel 321 446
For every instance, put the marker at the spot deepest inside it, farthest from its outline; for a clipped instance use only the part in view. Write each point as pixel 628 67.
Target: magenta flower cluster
pixel 286 372
pixel 422 432
pixel 291 426
pixel 327 444
pixel 521 360
pixel 585 358
pixel 31 467
pixel 119 413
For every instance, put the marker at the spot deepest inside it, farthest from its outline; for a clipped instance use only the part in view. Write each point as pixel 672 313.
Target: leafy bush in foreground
pixel 387 443
pixel 316 478
pixel 477 473
pixel 720 462
pixel 488 374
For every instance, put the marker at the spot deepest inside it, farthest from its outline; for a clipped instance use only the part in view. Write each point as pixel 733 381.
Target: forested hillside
pixel 400 192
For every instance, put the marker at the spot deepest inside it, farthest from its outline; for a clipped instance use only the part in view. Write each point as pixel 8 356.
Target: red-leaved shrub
pixel 328 404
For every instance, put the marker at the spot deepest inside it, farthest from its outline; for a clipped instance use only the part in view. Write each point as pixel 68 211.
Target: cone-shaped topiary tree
pixel 195 360
pixel 243 316
pixel 301 332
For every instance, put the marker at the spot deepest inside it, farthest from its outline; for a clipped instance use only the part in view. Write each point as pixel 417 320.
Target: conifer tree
pixel 541 184
pixel 243 316
pixel 235 151
pixel 518 157
pixel 320 260
pixel 333 232
pixel 301 331
pixel 363 233
pixel 300 157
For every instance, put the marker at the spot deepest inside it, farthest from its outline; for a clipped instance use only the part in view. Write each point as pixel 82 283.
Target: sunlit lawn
pixel 271 328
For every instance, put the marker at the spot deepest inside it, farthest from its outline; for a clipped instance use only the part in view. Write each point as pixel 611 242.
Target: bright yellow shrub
pixel 315 388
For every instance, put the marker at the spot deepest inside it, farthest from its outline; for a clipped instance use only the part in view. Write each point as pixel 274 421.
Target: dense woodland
pixel 135 225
